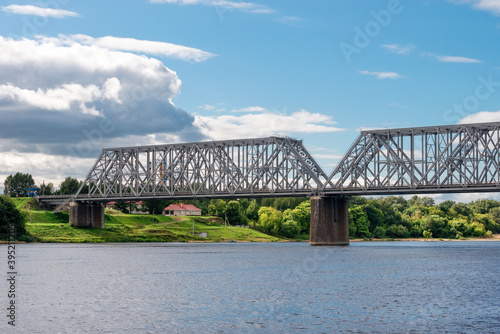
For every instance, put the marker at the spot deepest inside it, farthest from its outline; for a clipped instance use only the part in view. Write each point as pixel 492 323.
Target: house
pixel 110 205
pixel 181 209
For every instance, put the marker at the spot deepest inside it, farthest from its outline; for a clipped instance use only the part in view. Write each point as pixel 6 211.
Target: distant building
pixel 110 205
pixel 181 210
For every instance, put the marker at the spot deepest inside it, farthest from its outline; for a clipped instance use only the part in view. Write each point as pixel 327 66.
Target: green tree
pixel 46 189
pixel 397 231
pixel 16 185
pixel 359 221
pixel 154 206
pixel 12 221
pixel 461 209
pixel 446 206
pixel 69 186
pixel 379 232
pixel 374 215
pixel 122 206
pixel 483 206
pixel 302 214
pixel 252 211
pixel 269 219
pixel 289 226
pixel 232 212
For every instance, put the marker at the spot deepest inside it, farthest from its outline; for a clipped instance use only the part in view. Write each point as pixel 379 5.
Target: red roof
pixel 181 207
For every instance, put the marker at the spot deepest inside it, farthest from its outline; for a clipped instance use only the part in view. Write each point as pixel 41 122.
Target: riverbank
pixel 495 237
pixel 45 226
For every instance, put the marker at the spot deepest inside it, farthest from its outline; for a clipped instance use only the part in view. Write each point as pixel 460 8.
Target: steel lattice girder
pixel 271 167
pixel 457 158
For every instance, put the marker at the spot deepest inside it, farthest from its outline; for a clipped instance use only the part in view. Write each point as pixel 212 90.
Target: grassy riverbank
pixel 45 226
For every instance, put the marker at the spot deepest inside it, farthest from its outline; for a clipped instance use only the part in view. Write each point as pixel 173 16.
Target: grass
pixel 46 226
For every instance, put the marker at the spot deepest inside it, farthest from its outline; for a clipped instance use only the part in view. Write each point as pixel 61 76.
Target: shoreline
pixel 495 237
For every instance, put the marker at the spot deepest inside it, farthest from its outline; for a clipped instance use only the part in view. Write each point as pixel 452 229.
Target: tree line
pixel 16 185
pixel 395 217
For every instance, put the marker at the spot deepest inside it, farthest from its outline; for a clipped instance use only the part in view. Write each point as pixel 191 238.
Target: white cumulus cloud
pixel 382 75
pixel 250 109
pixel 39 11
pixel 492 6
pixel 455 59
pixel 142 46
pixel 243 6
pixel 59 96
pixel 399 49
pixel 264 124
pixel 481 117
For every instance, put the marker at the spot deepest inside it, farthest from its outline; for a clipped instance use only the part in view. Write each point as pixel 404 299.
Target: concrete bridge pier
pixel 86 214
pixel 329 221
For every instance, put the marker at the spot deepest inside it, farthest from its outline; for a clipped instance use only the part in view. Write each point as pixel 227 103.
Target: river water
pixel 367 287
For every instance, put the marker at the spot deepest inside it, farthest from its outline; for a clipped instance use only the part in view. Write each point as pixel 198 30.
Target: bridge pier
pixel 329 221
pixel 86 214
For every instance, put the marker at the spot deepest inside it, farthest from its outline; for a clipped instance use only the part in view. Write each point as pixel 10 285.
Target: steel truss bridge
pixel 440 159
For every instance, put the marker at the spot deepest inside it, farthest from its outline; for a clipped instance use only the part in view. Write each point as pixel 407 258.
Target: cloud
pixel 382 75
pixel 291 20
pixel 454 59
pixel 249 7
pixel 39 11
pixel 67 98
pixel 481 117
pixel 250 109
pixel 492 6
pixel 209 107
pixel 264 124
pixel 399 49
pixel 136 45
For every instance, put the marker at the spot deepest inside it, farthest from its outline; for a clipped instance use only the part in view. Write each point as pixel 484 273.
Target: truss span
pixel 441 159
pixel 457 158
pixel 269 167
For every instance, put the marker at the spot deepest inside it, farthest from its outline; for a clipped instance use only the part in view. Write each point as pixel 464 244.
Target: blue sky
pixel 76 76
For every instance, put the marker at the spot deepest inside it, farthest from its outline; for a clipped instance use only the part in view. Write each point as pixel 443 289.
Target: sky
pixel 78 76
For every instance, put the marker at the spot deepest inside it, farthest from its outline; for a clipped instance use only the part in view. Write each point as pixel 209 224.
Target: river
pixel 367 287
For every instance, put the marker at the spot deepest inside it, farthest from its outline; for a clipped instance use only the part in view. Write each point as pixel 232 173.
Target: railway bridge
pixel 420 160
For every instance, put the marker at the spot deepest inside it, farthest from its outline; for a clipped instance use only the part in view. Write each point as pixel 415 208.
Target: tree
pixel 270 219
pixel 69 186
pixel 289 226
pixel 46 189
pixel 302 213
pixel 122 206
pixel 379 232
pixel 252 211
pixel 16 185
pixel 232 212
pixel 155 207
pixel 397 231
pixel 446 206
pixel 12 222
pixel 359 221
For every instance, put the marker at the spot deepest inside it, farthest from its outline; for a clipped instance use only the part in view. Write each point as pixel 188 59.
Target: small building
pixel 181 209
pixel 110 205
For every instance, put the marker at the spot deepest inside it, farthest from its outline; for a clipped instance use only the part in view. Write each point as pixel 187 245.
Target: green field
pixel 46 226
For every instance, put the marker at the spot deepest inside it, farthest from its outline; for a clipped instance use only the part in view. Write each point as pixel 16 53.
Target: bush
pixel 397 231
pixel 12 221
pixel 379 232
